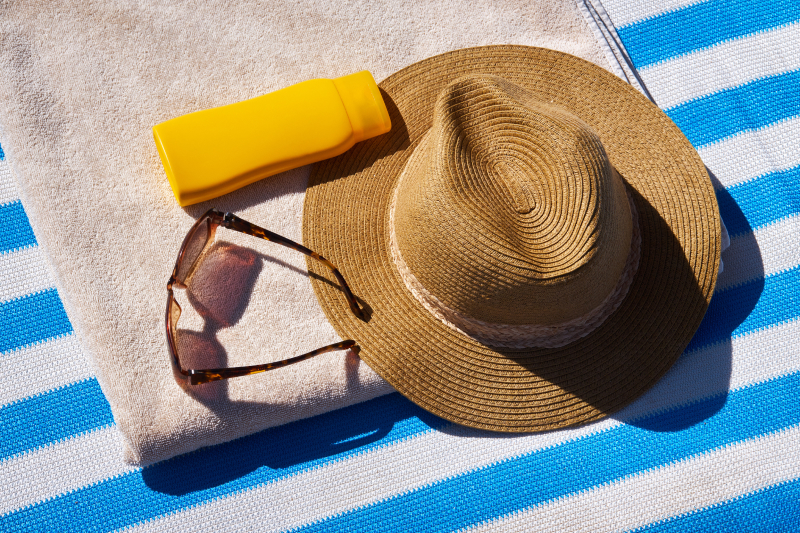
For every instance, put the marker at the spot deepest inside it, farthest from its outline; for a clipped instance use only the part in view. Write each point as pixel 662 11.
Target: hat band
pixel 525 335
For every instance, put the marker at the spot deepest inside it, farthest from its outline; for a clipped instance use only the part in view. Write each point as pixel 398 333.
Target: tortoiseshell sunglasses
pixel 195 243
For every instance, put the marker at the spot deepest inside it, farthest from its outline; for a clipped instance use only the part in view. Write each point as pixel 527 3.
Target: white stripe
pixel 23 272
pixel 728 365
pixel 758 357
pixel 42 367
pixel 669 491
pixel 362 479
pixel 8 189
pixel 382 473
pixel 754 153
pixel 61 468
pixel 624 12
pixel 728 64
pixel 763 254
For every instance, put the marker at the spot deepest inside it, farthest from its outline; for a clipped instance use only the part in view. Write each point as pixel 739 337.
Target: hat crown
pixel 508 211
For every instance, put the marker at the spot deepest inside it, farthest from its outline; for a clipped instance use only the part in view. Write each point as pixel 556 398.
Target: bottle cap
pixel 364 104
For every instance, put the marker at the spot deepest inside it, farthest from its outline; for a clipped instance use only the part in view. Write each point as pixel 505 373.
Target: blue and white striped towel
pixel 714 446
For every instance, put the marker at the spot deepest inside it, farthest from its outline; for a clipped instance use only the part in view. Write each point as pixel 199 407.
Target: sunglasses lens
pixel 174 315
pixel 194 246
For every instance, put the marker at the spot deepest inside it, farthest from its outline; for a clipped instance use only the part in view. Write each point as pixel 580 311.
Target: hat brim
pixel 346 219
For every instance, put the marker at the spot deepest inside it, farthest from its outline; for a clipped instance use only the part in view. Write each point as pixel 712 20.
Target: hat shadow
pixel 696 387
pixel 701 375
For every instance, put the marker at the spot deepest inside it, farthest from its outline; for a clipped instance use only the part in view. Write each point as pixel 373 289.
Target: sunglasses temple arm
pixel 197 377
pixel 233 222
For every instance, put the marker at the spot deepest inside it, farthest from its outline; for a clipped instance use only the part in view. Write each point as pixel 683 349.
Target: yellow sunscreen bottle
pixel 213 152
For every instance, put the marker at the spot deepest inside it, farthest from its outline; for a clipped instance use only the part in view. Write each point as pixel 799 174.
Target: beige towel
pixel 82 83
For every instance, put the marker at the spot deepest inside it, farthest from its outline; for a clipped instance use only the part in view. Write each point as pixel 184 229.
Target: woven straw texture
pixel 346 218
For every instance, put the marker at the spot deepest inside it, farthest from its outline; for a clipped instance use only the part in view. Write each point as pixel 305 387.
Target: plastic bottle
pixel 213 152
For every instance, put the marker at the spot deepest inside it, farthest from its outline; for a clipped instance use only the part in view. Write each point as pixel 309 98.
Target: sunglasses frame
pixel 214 219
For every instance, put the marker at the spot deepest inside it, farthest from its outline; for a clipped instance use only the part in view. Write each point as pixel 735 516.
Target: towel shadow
pixel 281 449
pixel 220 292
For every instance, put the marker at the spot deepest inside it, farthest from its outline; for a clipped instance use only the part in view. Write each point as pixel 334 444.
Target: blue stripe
pixel 570 468
pixel 751 106
pixel 2 154
pixel 52 416
pixel 760 202
pixel 702 25
pixel 31 319
pixel 749 307
pixel 17 232
pixel 227 469
pixel 770 510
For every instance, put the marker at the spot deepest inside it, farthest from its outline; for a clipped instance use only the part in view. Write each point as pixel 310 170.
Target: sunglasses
pixel 194 245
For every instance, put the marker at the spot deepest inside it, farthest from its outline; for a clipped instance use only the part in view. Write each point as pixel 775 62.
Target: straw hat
pixel 534 241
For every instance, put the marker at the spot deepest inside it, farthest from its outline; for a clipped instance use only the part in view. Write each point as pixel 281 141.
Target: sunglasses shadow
pixel 220 292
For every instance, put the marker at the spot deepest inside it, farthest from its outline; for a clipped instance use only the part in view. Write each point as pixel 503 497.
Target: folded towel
pixel 82 84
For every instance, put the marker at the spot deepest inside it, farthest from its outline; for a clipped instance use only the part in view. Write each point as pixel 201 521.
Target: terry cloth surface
pixel 714 447
pixel 81 84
